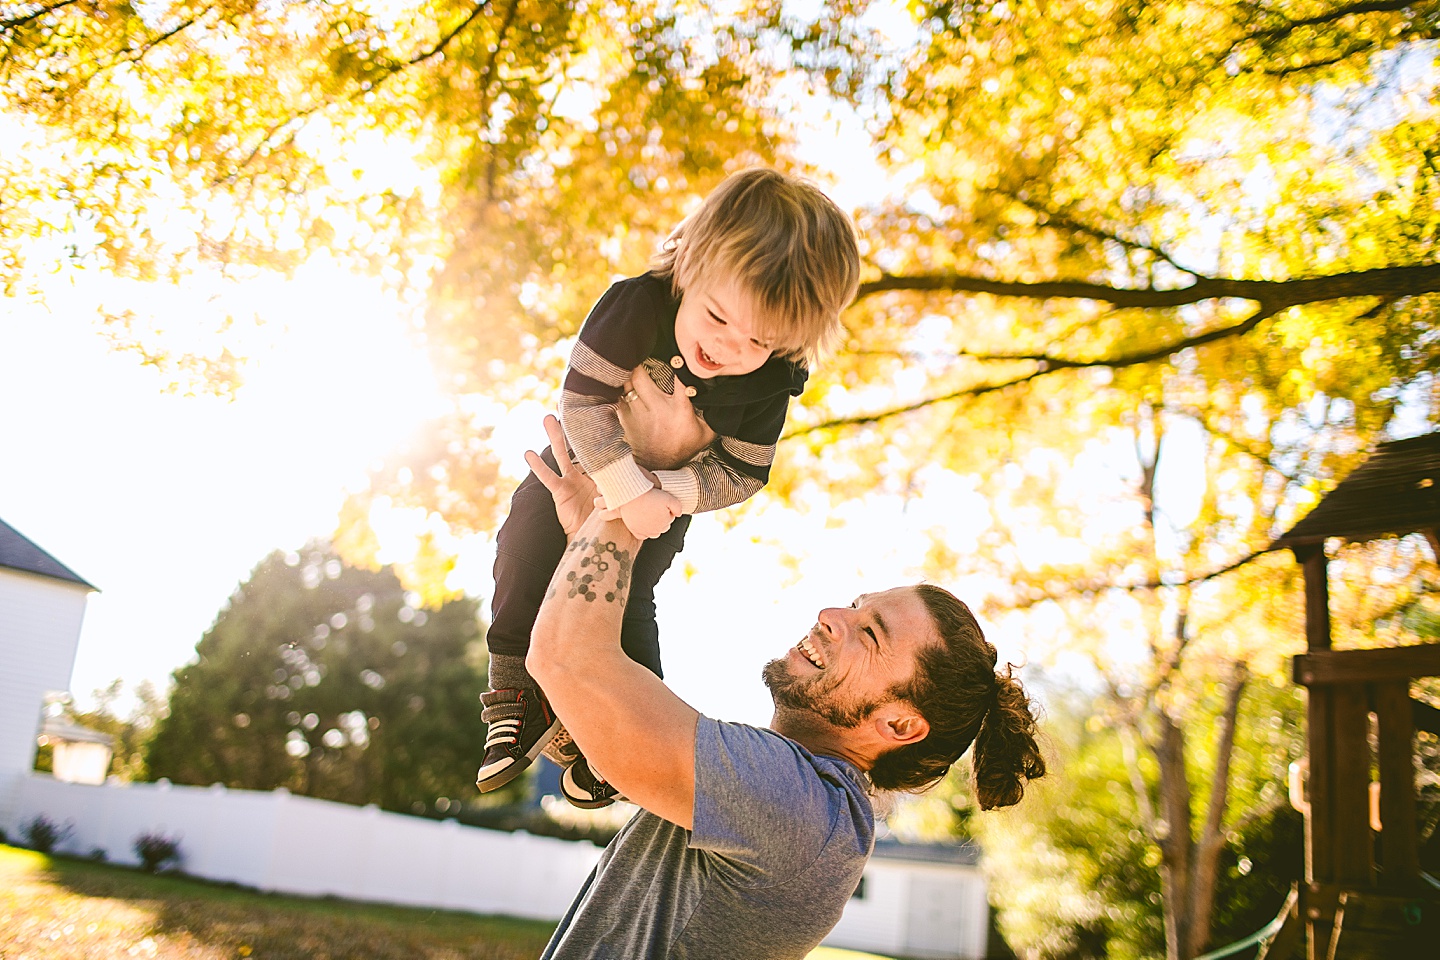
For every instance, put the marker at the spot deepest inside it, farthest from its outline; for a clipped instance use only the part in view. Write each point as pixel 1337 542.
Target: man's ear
pixel 900 724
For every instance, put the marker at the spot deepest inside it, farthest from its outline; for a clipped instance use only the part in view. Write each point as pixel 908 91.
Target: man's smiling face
pixel 853 658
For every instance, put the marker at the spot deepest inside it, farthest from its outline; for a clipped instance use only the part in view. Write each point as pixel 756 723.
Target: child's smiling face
pixel 716 329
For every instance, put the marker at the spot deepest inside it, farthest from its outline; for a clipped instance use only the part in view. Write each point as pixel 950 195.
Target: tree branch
pixel 11 24
pixel 1092 588
pixel 1339 13
pixel 390 69
pixel 138 54
pixel 1240 444
pixel 1058 221
pixel 1275 295
pixel 1387 283
pixel 295 120
pixel 444 41
pixel 1044 364
pixel 1211 833
pixel 1171 665
pixel 1330 61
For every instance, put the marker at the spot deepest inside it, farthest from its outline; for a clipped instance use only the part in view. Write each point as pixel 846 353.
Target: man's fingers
pixel 543 473
pixel 645 389
pixel 558 450
pixel 629 395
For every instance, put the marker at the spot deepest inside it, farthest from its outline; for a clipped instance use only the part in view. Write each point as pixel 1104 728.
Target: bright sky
pixel 165 502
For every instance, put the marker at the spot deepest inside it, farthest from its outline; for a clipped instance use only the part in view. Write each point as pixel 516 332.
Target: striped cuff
pixel 621 482
pixel 683 485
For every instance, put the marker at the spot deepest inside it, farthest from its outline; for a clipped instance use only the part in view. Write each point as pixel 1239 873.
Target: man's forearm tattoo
pixel 604 571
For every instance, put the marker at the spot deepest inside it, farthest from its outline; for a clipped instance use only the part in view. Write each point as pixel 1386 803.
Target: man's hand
pixel 650 514
pixel 574 492
pixel 662 429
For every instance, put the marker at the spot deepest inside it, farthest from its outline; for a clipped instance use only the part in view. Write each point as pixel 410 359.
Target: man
pixel 751 841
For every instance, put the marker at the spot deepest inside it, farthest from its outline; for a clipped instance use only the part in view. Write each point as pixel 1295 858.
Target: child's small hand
pixel 650 514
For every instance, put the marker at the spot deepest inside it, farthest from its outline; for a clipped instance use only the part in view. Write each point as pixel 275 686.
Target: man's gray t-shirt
pixel 781 837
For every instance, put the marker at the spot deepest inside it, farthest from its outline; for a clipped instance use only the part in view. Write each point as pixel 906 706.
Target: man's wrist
pixel 608 531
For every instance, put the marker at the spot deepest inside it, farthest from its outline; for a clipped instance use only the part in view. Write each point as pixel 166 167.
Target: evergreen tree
pixel 333 682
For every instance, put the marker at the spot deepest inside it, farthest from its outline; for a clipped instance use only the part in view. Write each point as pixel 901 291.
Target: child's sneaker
pixel 561 749
pixel 583 788
pixel 520 723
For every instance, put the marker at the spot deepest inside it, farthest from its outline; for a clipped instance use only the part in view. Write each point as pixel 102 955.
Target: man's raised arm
pixel 632 729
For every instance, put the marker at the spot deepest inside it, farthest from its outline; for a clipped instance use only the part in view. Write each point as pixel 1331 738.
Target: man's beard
pixel 813 695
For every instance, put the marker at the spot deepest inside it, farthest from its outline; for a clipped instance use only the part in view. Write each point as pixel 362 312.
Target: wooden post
pixel 1317 596
pixel 1349 787
pixel 1399 844
pixel 1319 866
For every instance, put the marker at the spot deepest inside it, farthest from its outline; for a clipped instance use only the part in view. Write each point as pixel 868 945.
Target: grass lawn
pixel 62 909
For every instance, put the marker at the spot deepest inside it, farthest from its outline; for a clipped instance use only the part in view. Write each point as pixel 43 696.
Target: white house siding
pixel 39 629
pixel 897 914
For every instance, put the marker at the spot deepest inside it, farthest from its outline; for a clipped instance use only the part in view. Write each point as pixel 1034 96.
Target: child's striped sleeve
pixel 616 337
pixel 731 469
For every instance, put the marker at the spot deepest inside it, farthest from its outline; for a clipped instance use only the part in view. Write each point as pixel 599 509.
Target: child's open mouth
pixel 706 361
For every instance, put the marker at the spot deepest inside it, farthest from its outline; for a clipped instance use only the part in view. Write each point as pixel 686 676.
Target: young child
pixel 741 297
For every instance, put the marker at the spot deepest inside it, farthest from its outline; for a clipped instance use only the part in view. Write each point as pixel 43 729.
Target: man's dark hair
pixel 957 690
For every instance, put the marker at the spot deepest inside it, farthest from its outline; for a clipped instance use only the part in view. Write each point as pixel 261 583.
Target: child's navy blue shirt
pixel 634 324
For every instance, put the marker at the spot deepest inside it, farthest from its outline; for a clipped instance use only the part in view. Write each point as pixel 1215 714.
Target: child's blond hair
pixel 781 239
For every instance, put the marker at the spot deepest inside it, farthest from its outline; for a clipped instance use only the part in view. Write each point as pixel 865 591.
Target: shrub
pixel 156 850
pixel 44 834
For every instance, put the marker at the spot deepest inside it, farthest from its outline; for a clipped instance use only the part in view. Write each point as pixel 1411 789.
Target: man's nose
pixel 832 621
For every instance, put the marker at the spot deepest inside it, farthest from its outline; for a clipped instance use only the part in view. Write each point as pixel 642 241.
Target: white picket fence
pixel 280 842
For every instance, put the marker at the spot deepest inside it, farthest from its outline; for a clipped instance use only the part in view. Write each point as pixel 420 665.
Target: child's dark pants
pixel 528 549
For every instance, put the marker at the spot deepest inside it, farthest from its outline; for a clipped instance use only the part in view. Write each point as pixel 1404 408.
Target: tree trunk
pixel 1176 844
pixel 1212 835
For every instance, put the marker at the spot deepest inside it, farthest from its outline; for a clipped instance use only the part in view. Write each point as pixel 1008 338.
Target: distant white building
pixel 42 603
pixel 923 900
pixel 79 754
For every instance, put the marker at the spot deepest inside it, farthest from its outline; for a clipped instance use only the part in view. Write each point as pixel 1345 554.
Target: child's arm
pixel 731 469
pixel 616 338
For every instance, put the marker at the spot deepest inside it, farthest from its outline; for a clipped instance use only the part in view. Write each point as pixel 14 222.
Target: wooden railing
pixel 1361 862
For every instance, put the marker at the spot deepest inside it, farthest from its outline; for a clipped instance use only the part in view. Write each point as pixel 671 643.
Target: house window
pixel 859 893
